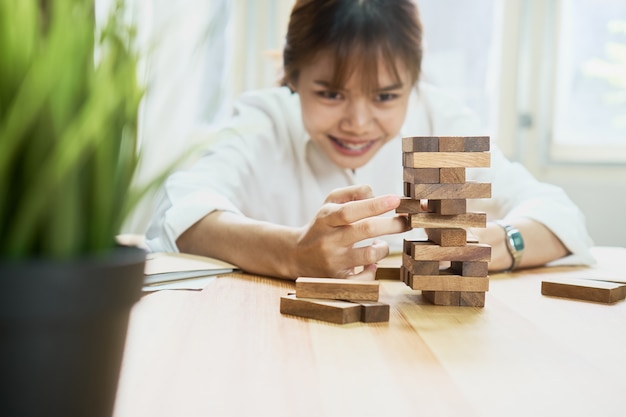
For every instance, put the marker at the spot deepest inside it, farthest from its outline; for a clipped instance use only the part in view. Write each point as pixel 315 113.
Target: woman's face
pixel 348 124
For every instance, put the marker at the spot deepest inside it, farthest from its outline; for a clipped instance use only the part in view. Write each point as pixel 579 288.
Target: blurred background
pixel 547 77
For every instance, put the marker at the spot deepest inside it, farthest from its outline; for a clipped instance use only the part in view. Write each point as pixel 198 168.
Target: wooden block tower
pixel 434 170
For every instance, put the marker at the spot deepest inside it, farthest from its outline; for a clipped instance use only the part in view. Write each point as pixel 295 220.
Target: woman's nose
pixel 357 116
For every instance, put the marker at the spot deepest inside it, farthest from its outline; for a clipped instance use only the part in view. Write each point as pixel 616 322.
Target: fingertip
pixel 392 201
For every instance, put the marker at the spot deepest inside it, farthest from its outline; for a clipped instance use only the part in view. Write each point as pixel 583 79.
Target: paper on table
pixel 167 268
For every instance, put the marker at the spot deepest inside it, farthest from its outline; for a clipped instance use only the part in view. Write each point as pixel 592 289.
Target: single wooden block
pixel 451 144
pixel 445 144
pixel 442 298
pixel 455 298
pixel 420 267
pixel 476 144
pixel 467 190
pixel 447 207
pixel 450 175
pixel 584 289
pixel 447 159
pixel 374 312
pixel 340 312
pixel 422 175
pixel 408 189
pixel 409 205
pixel 406 275
pixel 337 289
pixel 446 281
pixel 434 220
pixel 470 269
pixel 447 237
pixel 425 250
pixel 420 144
pixel 389 268
pixel 472 299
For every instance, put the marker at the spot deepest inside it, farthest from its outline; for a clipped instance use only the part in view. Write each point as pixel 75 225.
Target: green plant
pixel 69 100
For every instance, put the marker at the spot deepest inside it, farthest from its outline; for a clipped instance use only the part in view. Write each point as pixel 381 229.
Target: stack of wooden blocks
pixel 336 300
pixel 434 170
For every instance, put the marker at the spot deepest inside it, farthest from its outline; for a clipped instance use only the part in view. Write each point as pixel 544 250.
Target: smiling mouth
pixel 358 148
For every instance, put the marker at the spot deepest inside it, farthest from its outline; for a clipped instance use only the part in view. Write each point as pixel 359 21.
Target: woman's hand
pixel 327 247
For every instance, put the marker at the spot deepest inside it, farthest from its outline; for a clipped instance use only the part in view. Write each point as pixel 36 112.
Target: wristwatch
pixel 514 243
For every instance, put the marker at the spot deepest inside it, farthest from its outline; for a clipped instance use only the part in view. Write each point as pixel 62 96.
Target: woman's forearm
pixel 540 244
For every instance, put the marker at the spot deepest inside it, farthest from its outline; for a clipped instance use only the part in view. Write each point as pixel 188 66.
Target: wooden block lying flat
pixel 435 220
pixel 450 191
pixel 470 269
pixel 447 237
pixel 374 312
pixel 449 282
pixel 337 289
pixel 446 159
pixel 583 289
pixel 340 312
pixel 424 250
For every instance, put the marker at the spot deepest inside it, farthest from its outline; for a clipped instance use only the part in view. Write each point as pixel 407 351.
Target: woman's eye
pixel 386 97
pixel 330 95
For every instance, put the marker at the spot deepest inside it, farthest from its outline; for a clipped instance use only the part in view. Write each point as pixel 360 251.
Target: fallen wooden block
pixel 337 289
pixel 584 289
pixel 340 312
pixel 374 311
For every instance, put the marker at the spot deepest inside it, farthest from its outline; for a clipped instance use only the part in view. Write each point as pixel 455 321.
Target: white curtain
pixel 187 56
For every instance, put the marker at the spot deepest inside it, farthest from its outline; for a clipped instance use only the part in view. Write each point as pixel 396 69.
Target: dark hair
pixel 357 33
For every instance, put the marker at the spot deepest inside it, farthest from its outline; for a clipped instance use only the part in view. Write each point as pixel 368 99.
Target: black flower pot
pixel 62 332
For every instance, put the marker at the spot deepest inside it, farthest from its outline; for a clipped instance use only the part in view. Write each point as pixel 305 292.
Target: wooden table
pixel 227 351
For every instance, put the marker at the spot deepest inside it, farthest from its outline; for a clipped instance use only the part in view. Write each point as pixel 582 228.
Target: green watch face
pixel 518 242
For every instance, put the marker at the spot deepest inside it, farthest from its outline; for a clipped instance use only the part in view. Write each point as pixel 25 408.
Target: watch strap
pixel 514 243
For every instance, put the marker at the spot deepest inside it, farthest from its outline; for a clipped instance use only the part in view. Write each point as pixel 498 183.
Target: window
pixel 590 99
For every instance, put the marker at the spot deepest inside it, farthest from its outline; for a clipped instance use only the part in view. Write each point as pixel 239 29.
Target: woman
pixel 305 178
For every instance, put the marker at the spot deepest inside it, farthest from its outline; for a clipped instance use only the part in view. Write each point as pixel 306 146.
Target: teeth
pixel 352 146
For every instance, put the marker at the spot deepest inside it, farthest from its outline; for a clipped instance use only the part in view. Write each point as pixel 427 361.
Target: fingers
pixel 367 274
pixel 350 212
pixel 374 227
pixel 366 256
pixel 351 193
pixel 371 254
